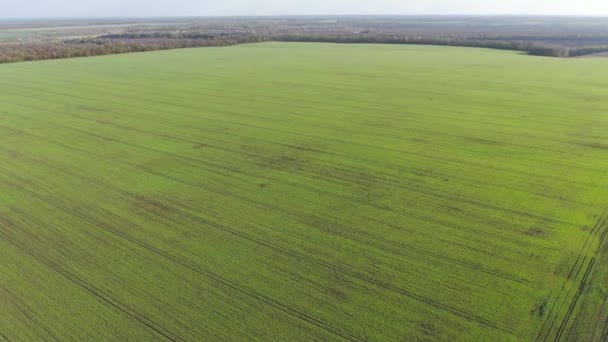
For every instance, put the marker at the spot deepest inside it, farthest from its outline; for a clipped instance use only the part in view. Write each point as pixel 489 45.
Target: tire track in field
pixel 90 289
pixel 205 273
pixel 178 223
pixel 392 136
pixel 382 148
pixel 604 324
pixel 561 298
pixel 299 148
pixel 428 193
pixel 398 110
pixel 584 282
pixel 305 217
pixel 318 223
pixel 28 219
pixel 340 90
pixel 337 91
pixel 348 157
pixel 331 87
pixel 343 269
pixel 372 134
pixel 308 218
pixel 401 212
pixel 358 201
pixel 602 226
pixel 605 331
pixel 305 82
pixel 27 312
pixel 302 216
pixel 355 200
pixel 251 98
pixel 601 322
pixel 573 274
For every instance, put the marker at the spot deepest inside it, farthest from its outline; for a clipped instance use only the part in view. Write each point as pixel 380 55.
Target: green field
pixel 300 192
pixel 14 35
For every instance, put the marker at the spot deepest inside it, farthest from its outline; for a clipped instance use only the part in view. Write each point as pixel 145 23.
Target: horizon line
pixel 604 15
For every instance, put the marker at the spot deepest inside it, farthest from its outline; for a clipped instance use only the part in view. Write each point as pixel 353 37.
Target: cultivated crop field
pixel 299 192
pixel 13 35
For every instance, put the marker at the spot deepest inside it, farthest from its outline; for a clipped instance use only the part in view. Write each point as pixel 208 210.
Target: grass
pixel 290 192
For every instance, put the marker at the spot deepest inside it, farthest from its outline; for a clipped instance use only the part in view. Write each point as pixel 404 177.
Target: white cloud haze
pixel 142 8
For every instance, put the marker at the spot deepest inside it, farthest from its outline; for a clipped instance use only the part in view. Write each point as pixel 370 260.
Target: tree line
pixel 33 51
pixel 532 48
pixel 140 42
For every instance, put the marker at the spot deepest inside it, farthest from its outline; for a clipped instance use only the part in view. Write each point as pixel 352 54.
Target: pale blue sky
pixel 103 8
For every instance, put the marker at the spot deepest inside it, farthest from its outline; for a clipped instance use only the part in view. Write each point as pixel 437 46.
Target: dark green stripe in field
pixel 304 192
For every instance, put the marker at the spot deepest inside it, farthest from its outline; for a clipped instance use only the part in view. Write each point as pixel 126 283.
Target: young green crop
pixel 290 192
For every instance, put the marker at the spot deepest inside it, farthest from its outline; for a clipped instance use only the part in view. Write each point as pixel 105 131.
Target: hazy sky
pixel 101 8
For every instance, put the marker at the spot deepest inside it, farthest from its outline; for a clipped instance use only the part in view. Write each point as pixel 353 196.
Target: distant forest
pixel 554 37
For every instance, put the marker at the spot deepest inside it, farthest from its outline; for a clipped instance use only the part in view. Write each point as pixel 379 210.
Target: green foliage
pixel 298 192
